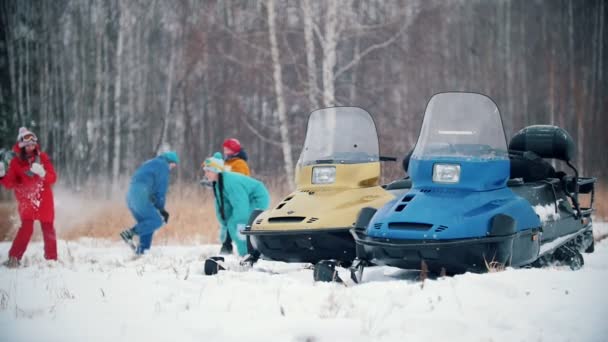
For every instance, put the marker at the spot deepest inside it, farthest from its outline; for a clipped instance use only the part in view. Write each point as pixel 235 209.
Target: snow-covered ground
pixel 100 293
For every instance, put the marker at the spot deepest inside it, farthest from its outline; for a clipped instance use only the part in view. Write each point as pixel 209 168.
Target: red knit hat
pixel 233 145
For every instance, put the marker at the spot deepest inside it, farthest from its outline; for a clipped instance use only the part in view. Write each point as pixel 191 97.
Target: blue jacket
pixel 154 176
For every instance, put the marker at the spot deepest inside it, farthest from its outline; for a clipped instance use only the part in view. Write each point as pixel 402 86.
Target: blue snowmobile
pixel 476 204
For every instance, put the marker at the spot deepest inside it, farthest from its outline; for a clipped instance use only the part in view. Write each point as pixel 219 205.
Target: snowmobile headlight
pixel 323 174
pixel 446 173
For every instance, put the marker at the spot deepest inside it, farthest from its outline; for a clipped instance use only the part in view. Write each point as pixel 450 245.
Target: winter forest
pixel 107 84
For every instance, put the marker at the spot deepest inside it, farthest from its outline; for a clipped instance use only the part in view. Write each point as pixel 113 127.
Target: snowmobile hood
pixel 440 214
pixel 324 208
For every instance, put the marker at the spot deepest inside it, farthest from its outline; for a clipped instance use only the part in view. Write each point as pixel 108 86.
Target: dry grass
pixel 84 215
pixel 192 220
pixel 601 201
pixel 494 266
pixel 7 211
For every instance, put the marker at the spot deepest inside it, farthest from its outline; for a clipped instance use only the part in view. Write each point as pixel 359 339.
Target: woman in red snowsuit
pixel 31 175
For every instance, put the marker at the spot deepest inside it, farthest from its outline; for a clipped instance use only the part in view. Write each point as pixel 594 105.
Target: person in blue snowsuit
pixel 146 199
pixel 236 197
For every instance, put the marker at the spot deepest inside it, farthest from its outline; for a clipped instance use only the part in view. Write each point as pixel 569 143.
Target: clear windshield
pixel 461 125
pixel 340 135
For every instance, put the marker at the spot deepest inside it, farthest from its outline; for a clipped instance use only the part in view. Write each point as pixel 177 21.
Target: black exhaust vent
pixel 258 221
pixel 409 226
pixel 407 198
pixel 286 219
pixel 377 225
pixel 281 205
pixel 312 220
pixel 440 229
pixel 288 198
pixel 425 190
pixel 400 207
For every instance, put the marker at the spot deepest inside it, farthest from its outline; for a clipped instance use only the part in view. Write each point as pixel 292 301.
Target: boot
pixel 12 262
pixel 226 246
pixel 127 237
pixel 250 259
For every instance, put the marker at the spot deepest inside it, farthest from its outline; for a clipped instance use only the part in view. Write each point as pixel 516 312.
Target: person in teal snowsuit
pixel 236 197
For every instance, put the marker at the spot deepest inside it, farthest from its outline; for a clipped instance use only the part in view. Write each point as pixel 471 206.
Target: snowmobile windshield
pixel 340 135
pixel 461 125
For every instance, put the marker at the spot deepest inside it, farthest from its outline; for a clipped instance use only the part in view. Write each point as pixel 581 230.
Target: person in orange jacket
pixel 235 158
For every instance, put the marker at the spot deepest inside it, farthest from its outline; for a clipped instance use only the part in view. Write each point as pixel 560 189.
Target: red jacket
pixel 33 193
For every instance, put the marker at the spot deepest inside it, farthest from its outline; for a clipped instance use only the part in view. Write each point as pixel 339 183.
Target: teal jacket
pixel 235 199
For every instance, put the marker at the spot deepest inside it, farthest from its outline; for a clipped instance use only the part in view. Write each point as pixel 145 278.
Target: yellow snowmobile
pixel 337 175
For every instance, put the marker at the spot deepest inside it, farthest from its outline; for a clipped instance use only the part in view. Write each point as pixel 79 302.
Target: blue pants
pixel 145 213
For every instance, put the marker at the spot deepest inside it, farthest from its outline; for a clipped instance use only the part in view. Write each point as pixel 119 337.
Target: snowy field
pixel 98 292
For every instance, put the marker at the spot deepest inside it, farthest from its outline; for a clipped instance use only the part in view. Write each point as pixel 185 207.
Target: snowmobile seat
pixel 530 145
pixel 546 141
pixel 529 167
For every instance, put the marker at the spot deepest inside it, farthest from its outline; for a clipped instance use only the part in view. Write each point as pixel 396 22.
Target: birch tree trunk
pixel 572 96
pixel 168 99
pixel 311 64
pixel 509 63
pixel 278 88
pixel 117 97
pixel 330 42
pixel 601 43
pixel 133 65
pixel 28 83
pixel 97 113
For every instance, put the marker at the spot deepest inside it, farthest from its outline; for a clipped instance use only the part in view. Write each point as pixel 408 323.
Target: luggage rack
pixel 586 185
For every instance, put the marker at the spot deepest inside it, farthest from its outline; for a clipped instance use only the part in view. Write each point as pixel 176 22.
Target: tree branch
pixel 369 50
pixel 258 134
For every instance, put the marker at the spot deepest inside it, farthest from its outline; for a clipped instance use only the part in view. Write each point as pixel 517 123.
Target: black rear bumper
pixel 304 245
pixel 451 256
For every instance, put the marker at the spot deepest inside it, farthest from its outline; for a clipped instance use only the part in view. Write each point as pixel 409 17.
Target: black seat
pixel 530 145
pixel 530 167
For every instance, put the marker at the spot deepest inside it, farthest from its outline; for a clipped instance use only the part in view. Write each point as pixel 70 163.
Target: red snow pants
pixel 23 239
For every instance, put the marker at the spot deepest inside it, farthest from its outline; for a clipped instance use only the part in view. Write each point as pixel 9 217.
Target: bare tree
pixel 122 23
pixel 278 87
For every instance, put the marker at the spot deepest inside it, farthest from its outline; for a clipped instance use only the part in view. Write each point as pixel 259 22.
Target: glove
pixel 38 169
pixel 2 170
pixel 165 215
pixel 206 183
